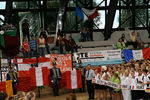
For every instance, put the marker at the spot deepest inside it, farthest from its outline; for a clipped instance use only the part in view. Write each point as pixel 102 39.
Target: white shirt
pixel 90 74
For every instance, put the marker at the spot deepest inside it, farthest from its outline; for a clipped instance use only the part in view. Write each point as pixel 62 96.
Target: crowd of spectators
pixel 64 45
pixel 19 96
pixel 135 40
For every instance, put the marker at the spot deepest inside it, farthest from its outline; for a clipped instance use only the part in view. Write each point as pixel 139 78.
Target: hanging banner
pixel 64 62
pixel 99 57
pixel 120 86
pixel 143 54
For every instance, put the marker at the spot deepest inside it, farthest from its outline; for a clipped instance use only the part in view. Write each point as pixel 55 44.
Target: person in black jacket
pixel 55 75
pixel 14 77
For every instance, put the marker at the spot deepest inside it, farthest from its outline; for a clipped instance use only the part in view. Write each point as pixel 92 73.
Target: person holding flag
pixel 14 77
pixel 55 75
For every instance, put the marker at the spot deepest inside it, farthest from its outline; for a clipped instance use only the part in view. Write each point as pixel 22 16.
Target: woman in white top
pixel 98 92
pixel 125 80
pixel 41 44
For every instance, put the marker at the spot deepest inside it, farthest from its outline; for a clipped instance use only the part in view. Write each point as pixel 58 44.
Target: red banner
pixel 64 62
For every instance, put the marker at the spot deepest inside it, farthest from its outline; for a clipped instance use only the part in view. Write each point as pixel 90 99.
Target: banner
pixel 99 57
pixel 64 62
pixel 136 54
pixel 114 85
pixel 6 86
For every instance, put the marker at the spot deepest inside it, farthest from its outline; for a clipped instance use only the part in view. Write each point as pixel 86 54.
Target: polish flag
pixel 39 76
pixel 73 79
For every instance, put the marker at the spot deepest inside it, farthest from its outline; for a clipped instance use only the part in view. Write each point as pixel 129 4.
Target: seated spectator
pixel 72 45
pixel 133 40
pixel 41 44
pixel 31 96
pixel 25 48
pixel 33 46
pixel 3 96
pixel 138 37
pixel 121 44
pixel 123 37
pixel 141 45
pixel 139 41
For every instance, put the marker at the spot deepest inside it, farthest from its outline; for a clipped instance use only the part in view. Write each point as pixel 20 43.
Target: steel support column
pixel 110 18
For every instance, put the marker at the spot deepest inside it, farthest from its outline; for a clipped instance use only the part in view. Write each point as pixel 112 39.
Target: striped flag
pixel 25 64
pixel 73 79
pixel 132 87
pixel 6 86
pixel 143 54
pixel 39 76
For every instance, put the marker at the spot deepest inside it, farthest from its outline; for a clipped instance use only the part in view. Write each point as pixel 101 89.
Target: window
pixel 20 5
pixel 2 5
pixel 126 18
pixel 140 18
pixel 100 20
pixel 116 20
pixel 2 17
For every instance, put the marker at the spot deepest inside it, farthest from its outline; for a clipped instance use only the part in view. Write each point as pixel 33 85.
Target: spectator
pixel 81 39
pixel 59 44
pixel 123 37
pixel 31 96
pixel 73 96
pixel 72 45
pixel 3 96
pixel 138 37
pixel 64 43
pixel 25 47
pixel 121 44
pixel 25 29
pixel 139 41
pixel 141 45
pixel 20 96
pixel 41 43
pixel 85 34
pixel 45 36
pixel 133 40
pixel 33 46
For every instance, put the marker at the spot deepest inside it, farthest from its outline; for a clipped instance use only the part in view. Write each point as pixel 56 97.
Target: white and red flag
pixel 39 76
pixel 73 79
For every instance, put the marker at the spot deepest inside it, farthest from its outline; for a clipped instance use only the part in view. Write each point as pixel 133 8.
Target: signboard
pixel 99 57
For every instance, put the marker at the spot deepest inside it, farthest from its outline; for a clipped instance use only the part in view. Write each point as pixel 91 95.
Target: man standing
pixel 25 29
pixel 55 75
pixel 13 76
pixel 90 87
pixel 33 46
pixel 45 35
